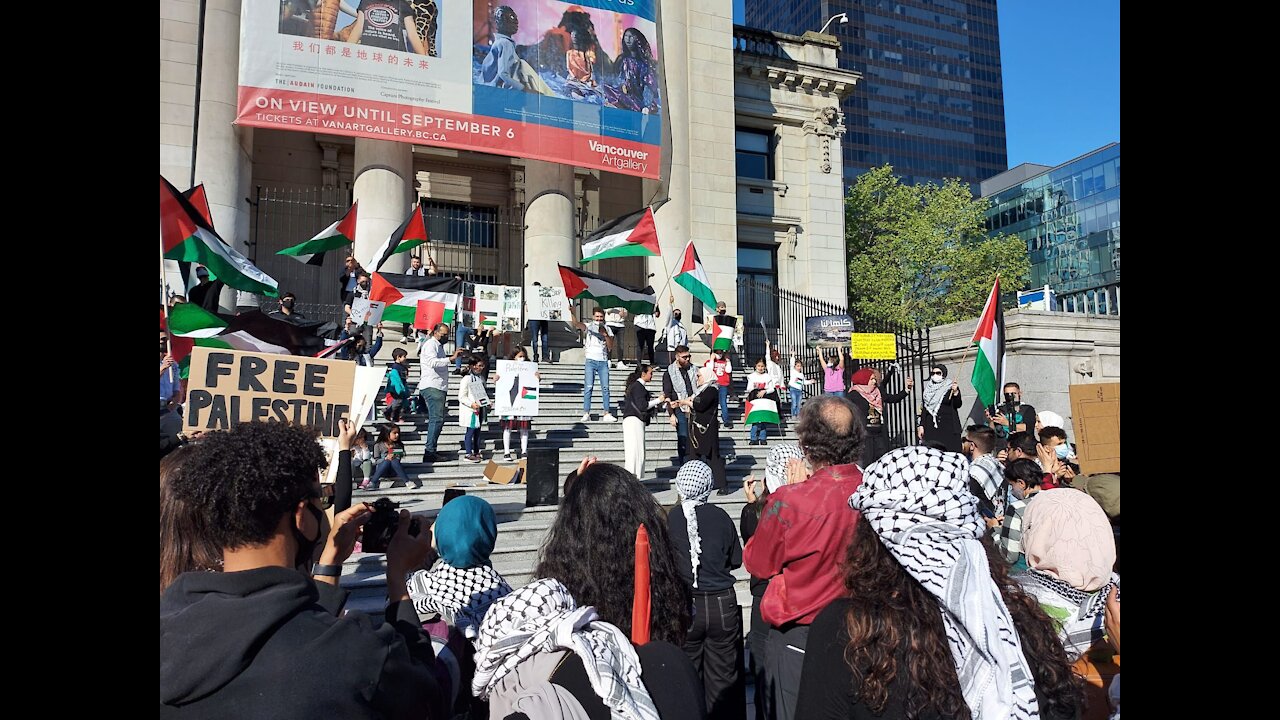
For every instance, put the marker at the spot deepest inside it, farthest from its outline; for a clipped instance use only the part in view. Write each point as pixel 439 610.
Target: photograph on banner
pixel 469 319
pixel 229 387
pixel 828 331
pixel 516 391
pixel 873 346
pixel 573 83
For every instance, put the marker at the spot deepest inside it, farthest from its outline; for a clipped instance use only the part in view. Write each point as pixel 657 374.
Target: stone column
pixel 224 152
pixel 549 234
pixel 384 189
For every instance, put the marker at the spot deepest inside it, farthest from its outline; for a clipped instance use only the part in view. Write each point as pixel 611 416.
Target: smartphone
pixel 452 493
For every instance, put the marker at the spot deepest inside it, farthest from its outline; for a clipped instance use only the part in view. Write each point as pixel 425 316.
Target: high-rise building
pixel 931 102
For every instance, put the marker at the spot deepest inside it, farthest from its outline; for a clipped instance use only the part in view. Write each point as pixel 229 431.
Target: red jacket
pixel 802 538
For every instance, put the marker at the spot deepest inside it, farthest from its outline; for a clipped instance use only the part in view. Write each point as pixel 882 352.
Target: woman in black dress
pixel 704 427
pixel 940 420
pixel 864 393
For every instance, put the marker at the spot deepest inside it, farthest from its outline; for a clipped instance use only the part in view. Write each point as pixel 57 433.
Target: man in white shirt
pixel 433 387
pixel 598 341
pixel 646 330
pixel 616 321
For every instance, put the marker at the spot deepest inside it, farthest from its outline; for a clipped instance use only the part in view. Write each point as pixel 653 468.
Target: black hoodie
pixel 268 643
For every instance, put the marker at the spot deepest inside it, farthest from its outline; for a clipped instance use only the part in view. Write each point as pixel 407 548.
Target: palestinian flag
pixel 488 320
pixel 411 233
pixel 762 410
pixel 192 325
pixel 722 335
pixel 338 235
pixel 989 337
pixel 187 237
pixel 633 235
pixel 529 393
pixel 401 293
pixel 200 201
pixel 259 332
pixel 693 277
pixel 608 294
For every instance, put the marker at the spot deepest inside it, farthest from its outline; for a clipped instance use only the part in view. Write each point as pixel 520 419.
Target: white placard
pixel 549 303
pixel 364 393
pixel 517 389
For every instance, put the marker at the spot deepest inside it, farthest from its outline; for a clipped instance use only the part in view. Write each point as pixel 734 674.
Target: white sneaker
pixel 586 417
pixel 608 417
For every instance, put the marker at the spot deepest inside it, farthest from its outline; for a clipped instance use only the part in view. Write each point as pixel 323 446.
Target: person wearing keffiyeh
pixel 919 575
pixel 940 419
pixel 707 551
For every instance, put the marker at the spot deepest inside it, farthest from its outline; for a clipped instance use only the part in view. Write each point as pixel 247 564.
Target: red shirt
pixel 802 538
pixel 723 369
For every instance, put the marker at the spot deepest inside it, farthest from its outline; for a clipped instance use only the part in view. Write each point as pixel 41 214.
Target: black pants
pixel 758 639
pixel 714 644
pixel 644 344
pixel 783 664
pixel 712 457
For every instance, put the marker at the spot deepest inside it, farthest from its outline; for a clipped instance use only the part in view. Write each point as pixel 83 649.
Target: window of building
pixel 754 154
pixel 757 298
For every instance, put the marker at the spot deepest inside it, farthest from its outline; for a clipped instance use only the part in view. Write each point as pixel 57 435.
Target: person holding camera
pixel 473 407
pixel 265 621
pixel 636 411
pixel 1012 415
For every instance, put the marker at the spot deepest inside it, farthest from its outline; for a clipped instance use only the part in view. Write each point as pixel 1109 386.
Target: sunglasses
pixel 936 373
pixel 683 357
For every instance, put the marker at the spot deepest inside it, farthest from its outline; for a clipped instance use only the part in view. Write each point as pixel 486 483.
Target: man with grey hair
pixel 433 386
pixel 802 537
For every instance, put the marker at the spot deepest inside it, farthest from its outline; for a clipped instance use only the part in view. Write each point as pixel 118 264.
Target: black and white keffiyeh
pixel 775 465
pixel 917 500
pixel 543 617
pixel 935 391
pixel 694 482
pixel 460 597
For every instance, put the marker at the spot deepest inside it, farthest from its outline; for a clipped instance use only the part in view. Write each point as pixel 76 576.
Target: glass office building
pixel 931 102
pixel 1069 217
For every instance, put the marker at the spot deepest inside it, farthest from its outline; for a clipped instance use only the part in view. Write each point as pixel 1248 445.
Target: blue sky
pixel 1061 65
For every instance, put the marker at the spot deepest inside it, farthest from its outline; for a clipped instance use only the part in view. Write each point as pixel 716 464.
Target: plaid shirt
pixel 1008 536
pixel 987 473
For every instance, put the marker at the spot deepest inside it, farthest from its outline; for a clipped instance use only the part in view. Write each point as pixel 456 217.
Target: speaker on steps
pixel 542 477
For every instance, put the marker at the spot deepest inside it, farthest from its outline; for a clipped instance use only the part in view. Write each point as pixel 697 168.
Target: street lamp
pixel 842 17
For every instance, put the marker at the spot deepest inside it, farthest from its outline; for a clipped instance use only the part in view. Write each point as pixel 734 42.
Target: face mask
pixel 936 379
pixel 1017 493
pixel 1062 451
pixel 287 303
pixel 306 547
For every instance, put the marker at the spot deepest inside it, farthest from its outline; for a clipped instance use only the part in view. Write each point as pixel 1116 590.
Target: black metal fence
pixel 784 312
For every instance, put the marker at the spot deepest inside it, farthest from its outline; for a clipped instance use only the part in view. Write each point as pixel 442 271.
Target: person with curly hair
pixel 802 533
pixel 184 538
pixel 264 622
pixel 931 625
pixel 572 626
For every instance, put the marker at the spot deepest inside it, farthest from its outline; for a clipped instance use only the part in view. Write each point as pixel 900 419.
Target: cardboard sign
pixel 516 392
pixel 828 331
pixel 1095 415
pixel 548 303
pixel 429 314
pixel 229 387
pixel 873 346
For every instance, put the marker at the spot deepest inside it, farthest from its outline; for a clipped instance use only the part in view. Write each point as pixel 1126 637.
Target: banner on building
pixel 828 331
pixel 567 82
pixel 229 387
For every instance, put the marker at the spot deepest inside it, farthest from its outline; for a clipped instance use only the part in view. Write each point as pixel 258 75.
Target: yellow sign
pixel 873 346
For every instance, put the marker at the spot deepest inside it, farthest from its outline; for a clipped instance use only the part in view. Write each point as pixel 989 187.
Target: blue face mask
pixel 1063 451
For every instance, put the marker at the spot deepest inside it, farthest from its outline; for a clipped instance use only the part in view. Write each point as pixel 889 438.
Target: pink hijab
pixel 1066 534
pixel 861 382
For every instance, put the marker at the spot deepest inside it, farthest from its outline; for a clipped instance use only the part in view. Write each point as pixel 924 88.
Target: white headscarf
pixel 543 617
pixel 693 481
pixel 917 500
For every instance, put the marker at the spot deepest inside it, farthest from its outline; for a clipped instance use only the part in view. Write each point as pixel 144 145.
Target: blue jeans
pixel 724 404
pixel 837 393
pixel 682 434
pixel 472 441
pixel 434 400
pixel 594 369
pixel 460 334
pixel 797 397
pixel 759 431
pixel 538 338
pixel 383 468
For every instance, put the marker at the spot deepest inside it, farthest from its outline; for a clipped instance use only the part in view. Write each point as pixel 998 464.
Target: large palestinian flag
pixel 762 410
pixel 989 337
pixel 722 335
pixel 401 293
pixel 341 234
pixel 634 235
pixel 607 293
pixel 187 237
pixel 691 276
pixel 411 233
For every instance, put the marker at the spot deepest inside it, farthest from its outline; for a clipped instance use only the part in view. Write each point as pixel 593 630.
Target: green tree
pixel 919 255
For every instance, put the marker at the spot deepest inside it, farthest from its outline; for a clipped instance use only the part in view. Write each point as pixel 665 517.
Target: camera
pixel 1009 399
pixel 377 532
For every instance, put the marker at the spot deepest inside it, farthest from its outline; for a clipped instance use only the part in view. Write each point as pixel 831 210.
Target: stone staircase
pixel 521 530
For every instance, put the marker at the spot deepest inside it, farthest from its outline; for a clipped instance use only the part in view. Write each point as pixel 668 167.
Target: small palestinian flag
pixel 411 233
pixel 693 277
pixel 528 393
pixel 341 234
pixel 633 235
pixel 187 237
pixel 488 320
pixel 762 410
pixel 401 293
pixel 722 336
pixel 608 294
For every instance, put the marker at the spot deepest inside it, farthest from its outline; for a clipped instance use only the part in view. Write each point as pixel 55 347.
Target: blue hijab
pixel 466 530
